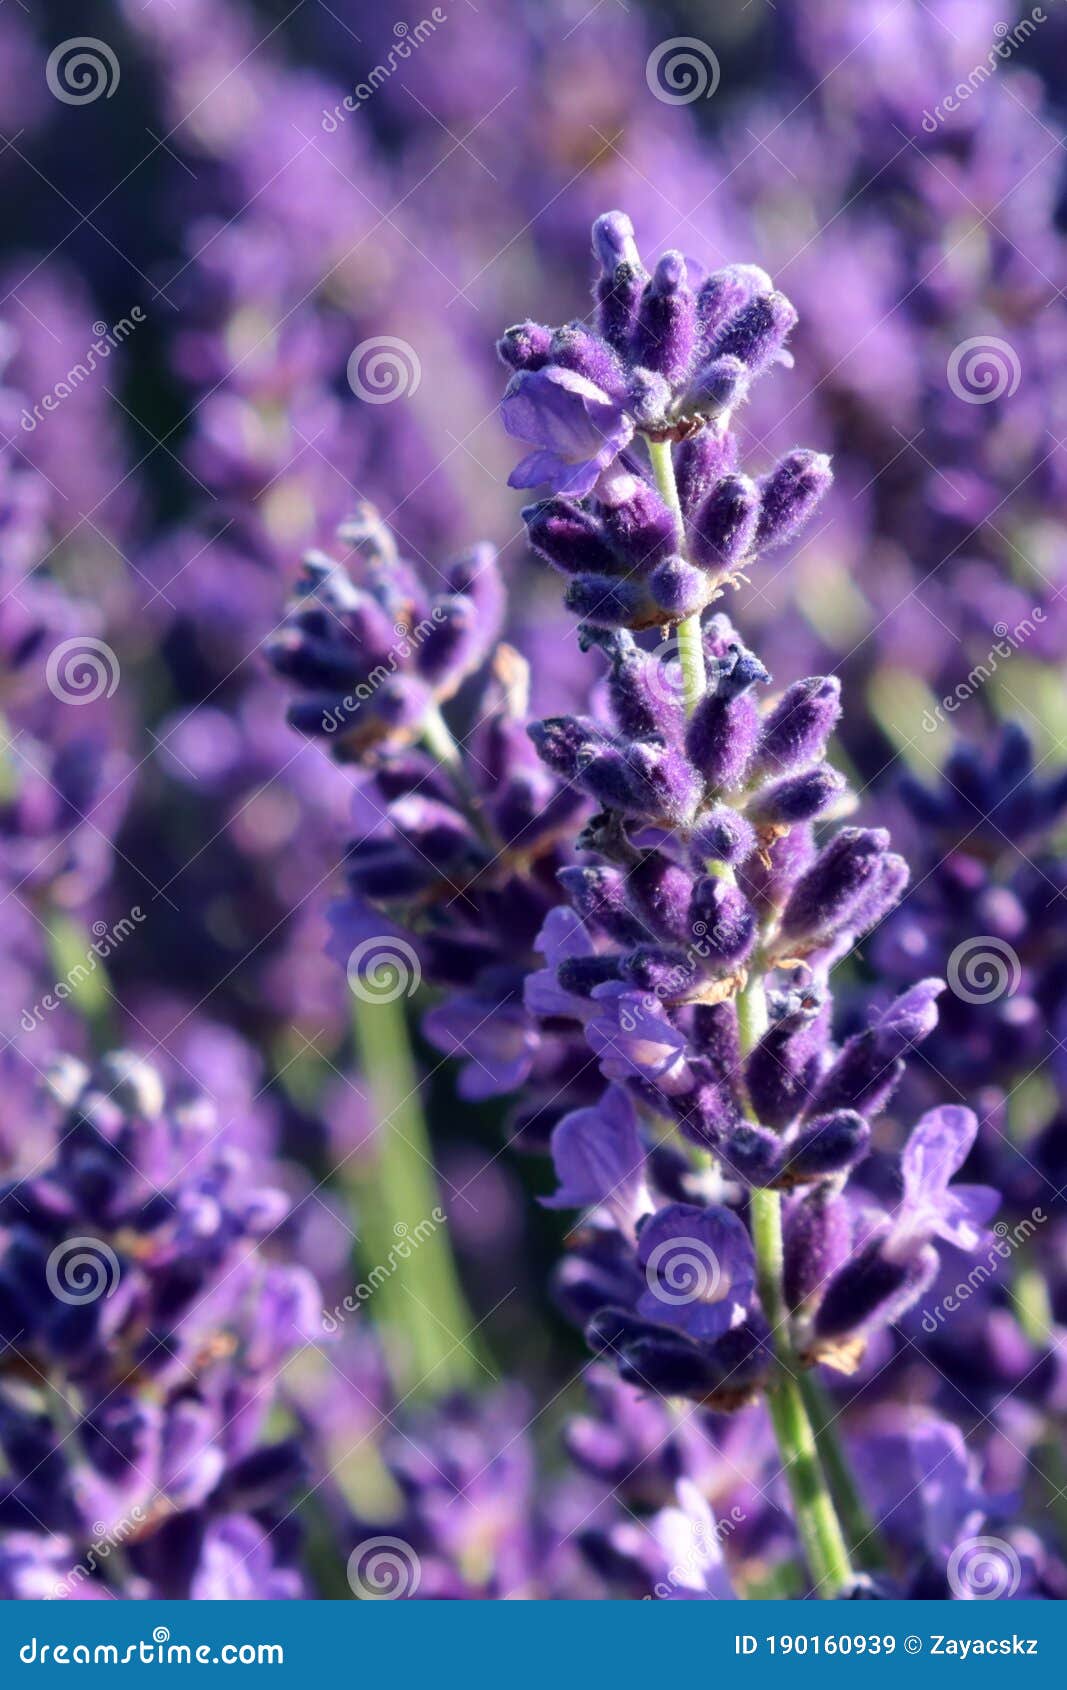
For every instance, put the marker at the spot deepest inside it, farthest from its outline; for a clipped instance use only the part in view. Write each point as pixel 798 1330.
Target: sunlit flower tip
pixel 796 731
pixel 614 242
pixel 790 494
pixel 726 292
pixel 798 798
pixel 525 346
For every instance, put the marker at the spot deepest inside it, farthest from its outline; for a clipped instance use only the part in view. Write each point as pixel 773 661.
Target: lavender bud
pixel 752 1154
pixel 598 893
pixel 700 462
pixel 640 528
pixel 725 525
pixel 818 1240
pixel 722 835
pixel 758 331
pixel 798 798
pixel 726 292
pixel 768 877
pixel 678 589
pixel 707 1115
pixel 574 347
pixel 673 788
pixel 648 398
pixel 723 730
pixel 644 700
pixel 873 1290
pixel 789 495
pixel 784 1067
pixel 569 536
pixel 661 891
pixel 566 743
pixel 668 973
pixel 525 346
pixel 723 923
pixel 829 1146
pixel 614 242
pixel 825 897
pixel 718 386
pixel 667 321
pixel 797 729
pixel 870 1064
pixel 608 603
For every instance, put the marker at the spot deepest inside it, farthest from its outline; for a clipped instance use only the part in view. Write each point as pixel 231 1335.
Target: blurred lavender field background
pixel 254 267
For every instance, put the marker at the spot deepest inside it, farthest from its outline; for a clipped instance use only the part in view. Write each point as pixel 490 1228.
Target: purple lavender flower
pixel 668 361
pixel 134 1287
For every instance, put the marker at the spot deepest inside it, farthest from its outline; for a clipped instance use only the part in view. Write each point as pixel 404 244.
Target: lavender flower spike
pixel 714 900
pixel 669 360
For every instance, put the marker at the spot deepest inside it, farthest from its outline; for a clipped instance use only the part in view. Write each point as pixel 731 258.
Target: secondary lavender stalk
pixel 398 1196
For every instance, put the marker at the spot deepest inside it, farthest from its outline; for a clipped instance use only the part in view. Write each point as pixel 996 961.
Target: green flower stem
pixel 820 1530
pixel 405 1255
pixel 438 740
pixel 817 1521
pixel 852 1510
pixel 688 633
